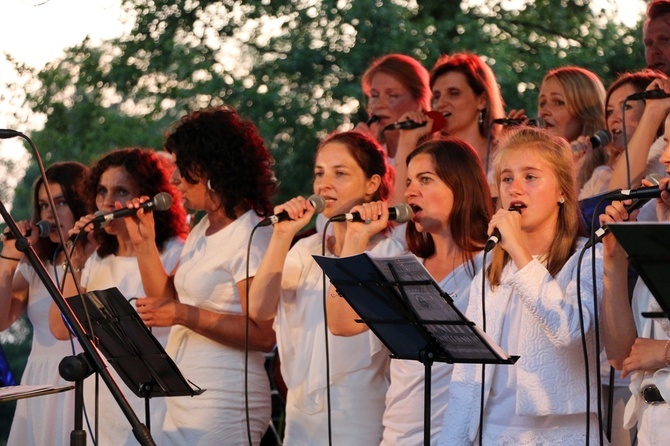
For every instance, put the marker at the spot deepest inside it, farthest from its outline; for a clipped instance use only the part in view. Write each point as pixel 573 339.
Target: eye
pixel 609 112
pixel 506 180
pixel 530 177
pixel 542 104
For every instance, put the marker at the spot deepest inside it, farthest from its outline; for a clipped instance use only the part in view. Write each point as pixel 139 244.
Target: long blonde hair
pixel 555 151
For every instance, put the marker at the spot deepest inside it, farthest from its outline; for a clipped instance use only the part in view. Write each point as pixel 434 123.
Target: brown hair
pixel 406 70
pixel 457 164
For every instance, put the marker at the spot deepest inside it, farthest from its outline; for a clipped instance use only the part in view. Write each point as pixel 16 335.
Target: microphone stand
pixel 91 356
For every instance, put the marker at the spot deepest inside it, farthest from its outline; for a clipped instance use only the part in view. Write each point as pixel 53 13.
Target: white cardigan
pixel 550 371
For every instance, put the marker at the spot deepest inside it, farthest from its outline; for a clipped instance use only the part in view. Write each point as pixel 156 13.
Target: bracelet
pixel 667 353
pixel 9 258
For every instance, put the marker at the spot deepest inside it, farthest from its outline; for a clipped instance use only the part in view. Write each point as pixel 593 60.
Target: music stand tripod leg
pixel 427 359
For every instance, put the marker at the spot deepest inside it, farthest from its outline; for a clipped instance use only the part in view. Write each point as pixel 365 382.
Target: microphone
pixel 532 122
pixel 43 230
pixel 636 204
pixel 7 133
pixel 436 116
pixel 649 94
pixel 160 202
pixel 317 201
pixel 495 237
pixel 600 138
pixel 372 119
pixel 401 213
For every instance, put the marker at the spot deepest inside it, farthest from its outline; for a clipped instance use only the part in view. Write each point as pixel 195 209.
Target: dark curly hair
pixel 457 164
pixel 369 155
pixel 218 145
pixel 71 177
pixel 150 178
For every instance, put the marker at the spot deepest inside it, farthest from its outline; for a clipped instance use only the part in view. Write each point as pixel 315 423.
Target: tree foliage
pixel 294 67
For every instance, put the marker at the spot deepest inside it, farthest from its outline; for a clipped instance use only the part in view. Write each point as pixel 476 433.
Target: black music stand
pixel 408 311
pixel 648 249
pixel 129 346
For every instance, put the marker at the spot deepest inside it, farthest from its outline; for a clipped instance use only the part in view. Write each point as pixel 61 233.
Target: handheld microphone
pixel 43 230
pixel 636 204
pixel 372 119
pixel 649 94
pixel 600 138
pixel 160 202
pixel 495 237
pixel 401 213
pixel 532 122
pixel 436 116
pixel 317 201
pixel 8 133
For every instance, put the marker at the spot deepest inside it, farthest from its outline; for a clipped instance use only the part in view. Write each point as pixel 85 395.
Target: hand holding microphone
pixel 294 210
pixel 414 120
pixel 496 237
pixel 43 231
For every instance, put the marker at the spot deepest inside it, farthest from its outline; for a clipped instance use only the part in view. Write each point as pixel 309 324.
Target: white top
pixel 47 419
pixel 124 274
pixel 358 364
pixel 656 328
pixel 404 414
pixel 542 397
pixel 598 183
pixel 210 268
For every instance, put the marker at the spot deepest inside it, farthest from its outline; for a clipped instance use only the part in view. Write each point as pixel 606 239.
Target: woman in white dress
pixel 350 169
pixel 114 180
pixel 224 169
pixel 448 231
pixel 532 308
pixel 47 419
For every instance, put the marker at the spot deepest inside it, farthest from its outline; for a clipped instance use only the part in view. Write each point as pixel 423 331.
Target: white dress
pixel 114 429
pixel 404 417
pixel 207 277
pixel 46 419
pixel 358 364
pixel 542 398
pixel 652 419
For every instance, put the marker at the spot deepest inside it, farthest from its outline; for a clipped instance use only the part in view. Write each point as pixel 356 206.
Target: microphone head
pixel 654 178
pixel 601 138
pixel 438 120
pixel 43 228
pixel 318 202
pixel 403 212
pixel 162 201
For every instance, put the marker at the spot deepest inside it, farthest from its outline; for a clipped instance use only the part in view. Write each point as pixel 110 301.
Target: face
pixel 65 215
pixel 527 181
pixel 553 109
pixel 115 185
pixel 614 114
pixel 430 197
pixel 389 99
pixel 665 156
pixel 656 37
pixel 340 180
pixel 453 97
pixel 193 195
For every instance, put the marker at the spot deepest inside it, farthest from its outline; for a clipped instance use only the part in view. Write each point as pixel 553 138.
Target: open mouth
pixel 517 206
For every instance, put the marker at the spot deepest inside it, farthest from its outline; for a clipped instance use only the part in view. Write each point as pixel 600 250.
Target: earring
pixel 561 200
pixel 209 185
pixel 481 117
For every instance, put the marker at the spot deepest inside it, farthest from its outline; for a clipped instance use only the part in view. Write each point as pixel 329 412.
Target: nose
pixel 410 190
pixel 665 156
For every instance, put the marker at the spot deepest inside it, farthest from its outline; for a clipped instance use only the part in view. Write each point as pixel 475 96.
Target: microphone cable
pixel 246 340
pixel 481 394
pixel 326 342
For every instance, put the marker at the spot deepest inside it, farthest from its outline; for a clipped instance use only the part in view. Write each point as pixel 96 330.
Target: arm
pixel 640 142
pixel 141 229
pixel 265 290
pixel 224 328
pixel 619 331
pixel 341 317
pixel 13 288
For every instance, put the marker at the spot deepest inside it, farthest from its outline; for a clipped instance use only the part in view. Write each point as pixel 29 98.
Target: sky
pixel 37 31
